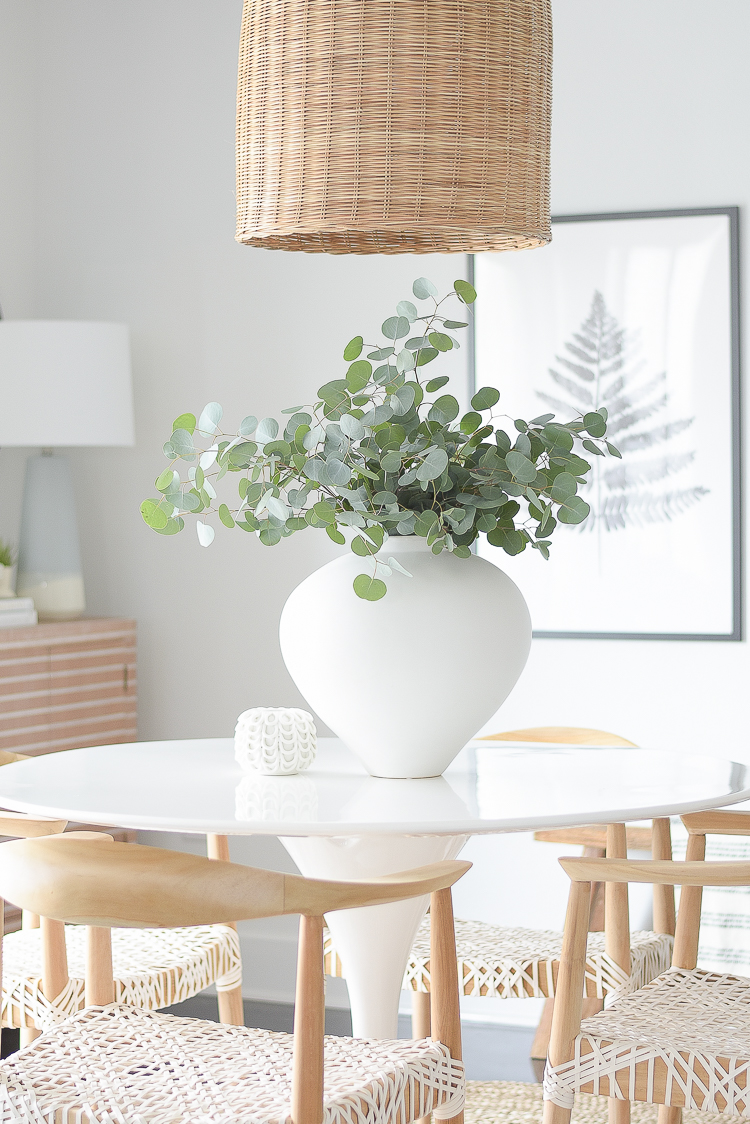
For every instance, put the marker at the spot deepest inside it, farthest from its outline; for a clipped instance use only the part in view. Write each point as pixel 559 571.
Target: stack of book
pixel 15 612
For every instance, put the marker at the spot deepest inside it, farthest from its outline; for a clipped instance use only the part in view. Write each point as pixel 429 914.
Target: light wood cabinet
pixel 68 684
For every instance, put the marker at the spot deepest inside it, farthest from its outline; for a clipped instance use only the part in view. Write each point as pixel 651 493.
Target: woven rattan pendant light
pixel 394 126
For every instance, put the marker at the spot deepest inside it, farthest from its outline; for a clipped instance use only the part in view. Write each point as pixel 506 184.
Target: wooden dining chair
pixel 153 968
pixel 115 1062
pixel 505 962
pixel 683 1040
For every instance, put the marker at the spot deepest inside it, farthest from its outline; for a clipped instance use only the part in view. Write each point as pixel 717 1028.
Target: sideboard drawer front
pixel 66 685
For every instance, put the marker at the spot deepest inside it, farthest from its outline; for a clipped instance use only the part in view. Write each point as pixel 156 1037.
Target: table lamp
pixel 62 383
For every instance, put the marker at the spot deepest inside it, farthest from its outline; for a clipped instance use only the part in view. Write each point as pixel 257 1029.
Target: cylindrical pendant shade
pixel 394 126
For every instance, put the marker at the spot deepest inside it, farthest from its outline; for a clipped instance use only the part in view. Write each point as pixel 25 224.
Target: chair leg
pixel 421 1026
pixel 420 1014
pixel 28 1034
pixel 100 987
pixel 669 1115
pixel 231 1010
pixel 619 1111
pixel 445 1005
pixel 309 1024
pixel 540 1045
pixel 553 1114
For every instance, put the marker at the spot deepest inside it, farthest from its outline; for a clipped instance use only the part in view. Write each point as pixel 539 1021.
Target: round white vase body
pixel 406 681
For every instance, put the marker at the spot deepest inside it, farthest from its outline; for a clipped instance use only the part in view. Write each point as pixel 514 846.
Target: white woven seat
pixel 114 1064
pixel 682 1040
pixel 504 963
pixel 153 968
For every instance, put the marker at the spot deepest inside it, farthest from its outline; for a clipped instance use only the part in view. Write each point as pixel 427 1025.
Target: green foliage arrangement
pixel 376 455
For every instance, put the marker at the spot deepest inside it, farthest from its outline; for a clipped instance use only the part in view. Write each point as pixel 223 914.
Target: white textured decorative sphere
pixel 276 740
pixel 406 681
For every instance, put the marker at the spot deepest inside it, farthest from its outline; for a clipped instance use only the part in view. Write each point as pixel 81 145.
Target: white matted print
pixel 636 313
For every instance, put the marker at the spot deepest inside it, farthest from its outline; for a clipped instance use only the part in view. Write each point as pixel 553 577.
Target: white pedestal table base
pixel 373 943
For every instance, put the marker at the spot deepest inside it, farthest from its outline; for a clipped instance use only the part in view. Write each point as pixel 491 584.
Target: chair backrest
pixel 691 875
pixel 561 735
pixel 102 883
pixel 96 881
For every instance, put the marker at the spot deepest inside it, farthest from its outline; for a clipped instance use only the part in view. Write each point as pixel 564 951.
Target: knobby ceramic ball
pixel 276 740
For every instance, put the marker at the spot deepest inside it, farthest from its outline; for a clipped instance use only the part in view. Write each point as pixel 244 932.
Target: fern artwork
pixel 633 316
pixel 602 365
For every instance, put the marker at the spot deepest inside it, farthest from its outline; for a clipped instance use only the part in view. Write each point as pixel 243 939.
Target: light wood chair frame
pixel 229 1000
pixel 87 878
pixel 611 840
pixel 692 875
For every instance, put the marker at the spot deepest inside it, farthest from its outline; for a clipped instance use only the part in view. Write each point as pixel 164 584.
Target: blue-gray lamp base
pixel 49 556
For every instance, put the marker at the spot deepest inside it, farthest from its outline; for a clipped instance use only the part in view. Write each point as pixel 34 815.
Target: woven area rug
pixel 516 1102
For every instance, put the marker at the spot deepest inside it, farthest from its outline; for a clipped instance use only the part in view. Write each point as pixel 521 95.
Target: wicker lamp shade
pixel 394 126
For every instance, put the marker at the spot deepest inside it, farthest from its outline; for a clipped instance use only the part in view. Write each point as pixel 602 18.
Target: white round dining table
pixel 336 821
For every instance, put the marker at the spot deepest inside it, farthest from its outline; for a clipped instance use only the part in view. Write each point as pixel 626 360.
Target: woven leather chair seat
pixel 118 1063
pixel 153 968
pixel 505 963
pixel 686 1034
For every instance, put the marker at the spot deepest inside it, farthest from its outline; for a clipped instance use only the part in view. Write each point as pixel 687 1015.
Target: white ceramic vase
pixel 406 681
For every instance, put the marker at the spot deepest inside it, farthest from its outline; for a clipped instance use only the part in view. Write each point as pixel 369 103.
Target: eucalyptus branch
pixel 372 454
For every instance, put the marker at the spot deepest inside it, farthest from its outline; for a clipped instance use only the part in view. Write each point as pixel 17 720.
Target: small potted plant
pixel 7 561
pixel 384 459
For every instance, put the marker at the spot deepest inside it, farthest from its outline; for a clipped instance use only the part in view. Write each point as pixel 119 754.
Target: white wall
pixel 116 201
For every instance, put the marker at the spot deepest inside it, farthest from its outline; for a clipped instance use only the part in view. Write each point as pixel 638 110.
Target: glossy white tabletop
pixel 197 786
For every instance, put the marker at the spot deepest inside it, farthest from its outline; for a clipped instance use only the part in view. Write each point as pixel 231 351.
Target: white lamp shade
pixel 65 382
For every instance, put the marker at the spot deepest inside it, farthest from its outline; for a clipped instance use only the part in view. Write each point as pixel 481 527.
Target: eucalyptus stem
pixel 385 460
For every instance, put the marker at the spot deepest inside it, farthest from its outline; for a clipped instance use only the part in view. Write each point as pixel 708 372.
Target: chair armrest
pixel 659 871
pixel 18 825
pixel 639 838
pixel 719 822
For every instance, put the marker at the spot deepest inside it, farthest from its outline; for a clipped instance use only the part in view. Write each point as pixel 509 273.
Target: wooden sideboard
pixel 65 685
pixel 68 684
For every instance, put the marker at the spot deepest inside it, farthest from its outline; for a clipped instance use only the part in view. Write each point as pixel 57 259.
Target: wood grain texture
pixel 617 935
pixel 648 870
pixel 685 953
pixel 217 847
pixel 17 825
pixel 100 986
pixel 560 735
pixel 639 838
pixel 445 1014
pixel 309 1024
pixel 54 956
pixel 566 1019
pixel 231 1007
pixel 68 684
pixel 568 1007
pixel 664 903
pixel 95 881
pixel 616 912
pixel 718 822
pixel 420 1014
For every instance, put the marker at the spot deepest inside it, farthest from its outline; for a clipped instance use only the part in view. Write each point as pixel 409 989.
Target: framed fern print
pixel 639 313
